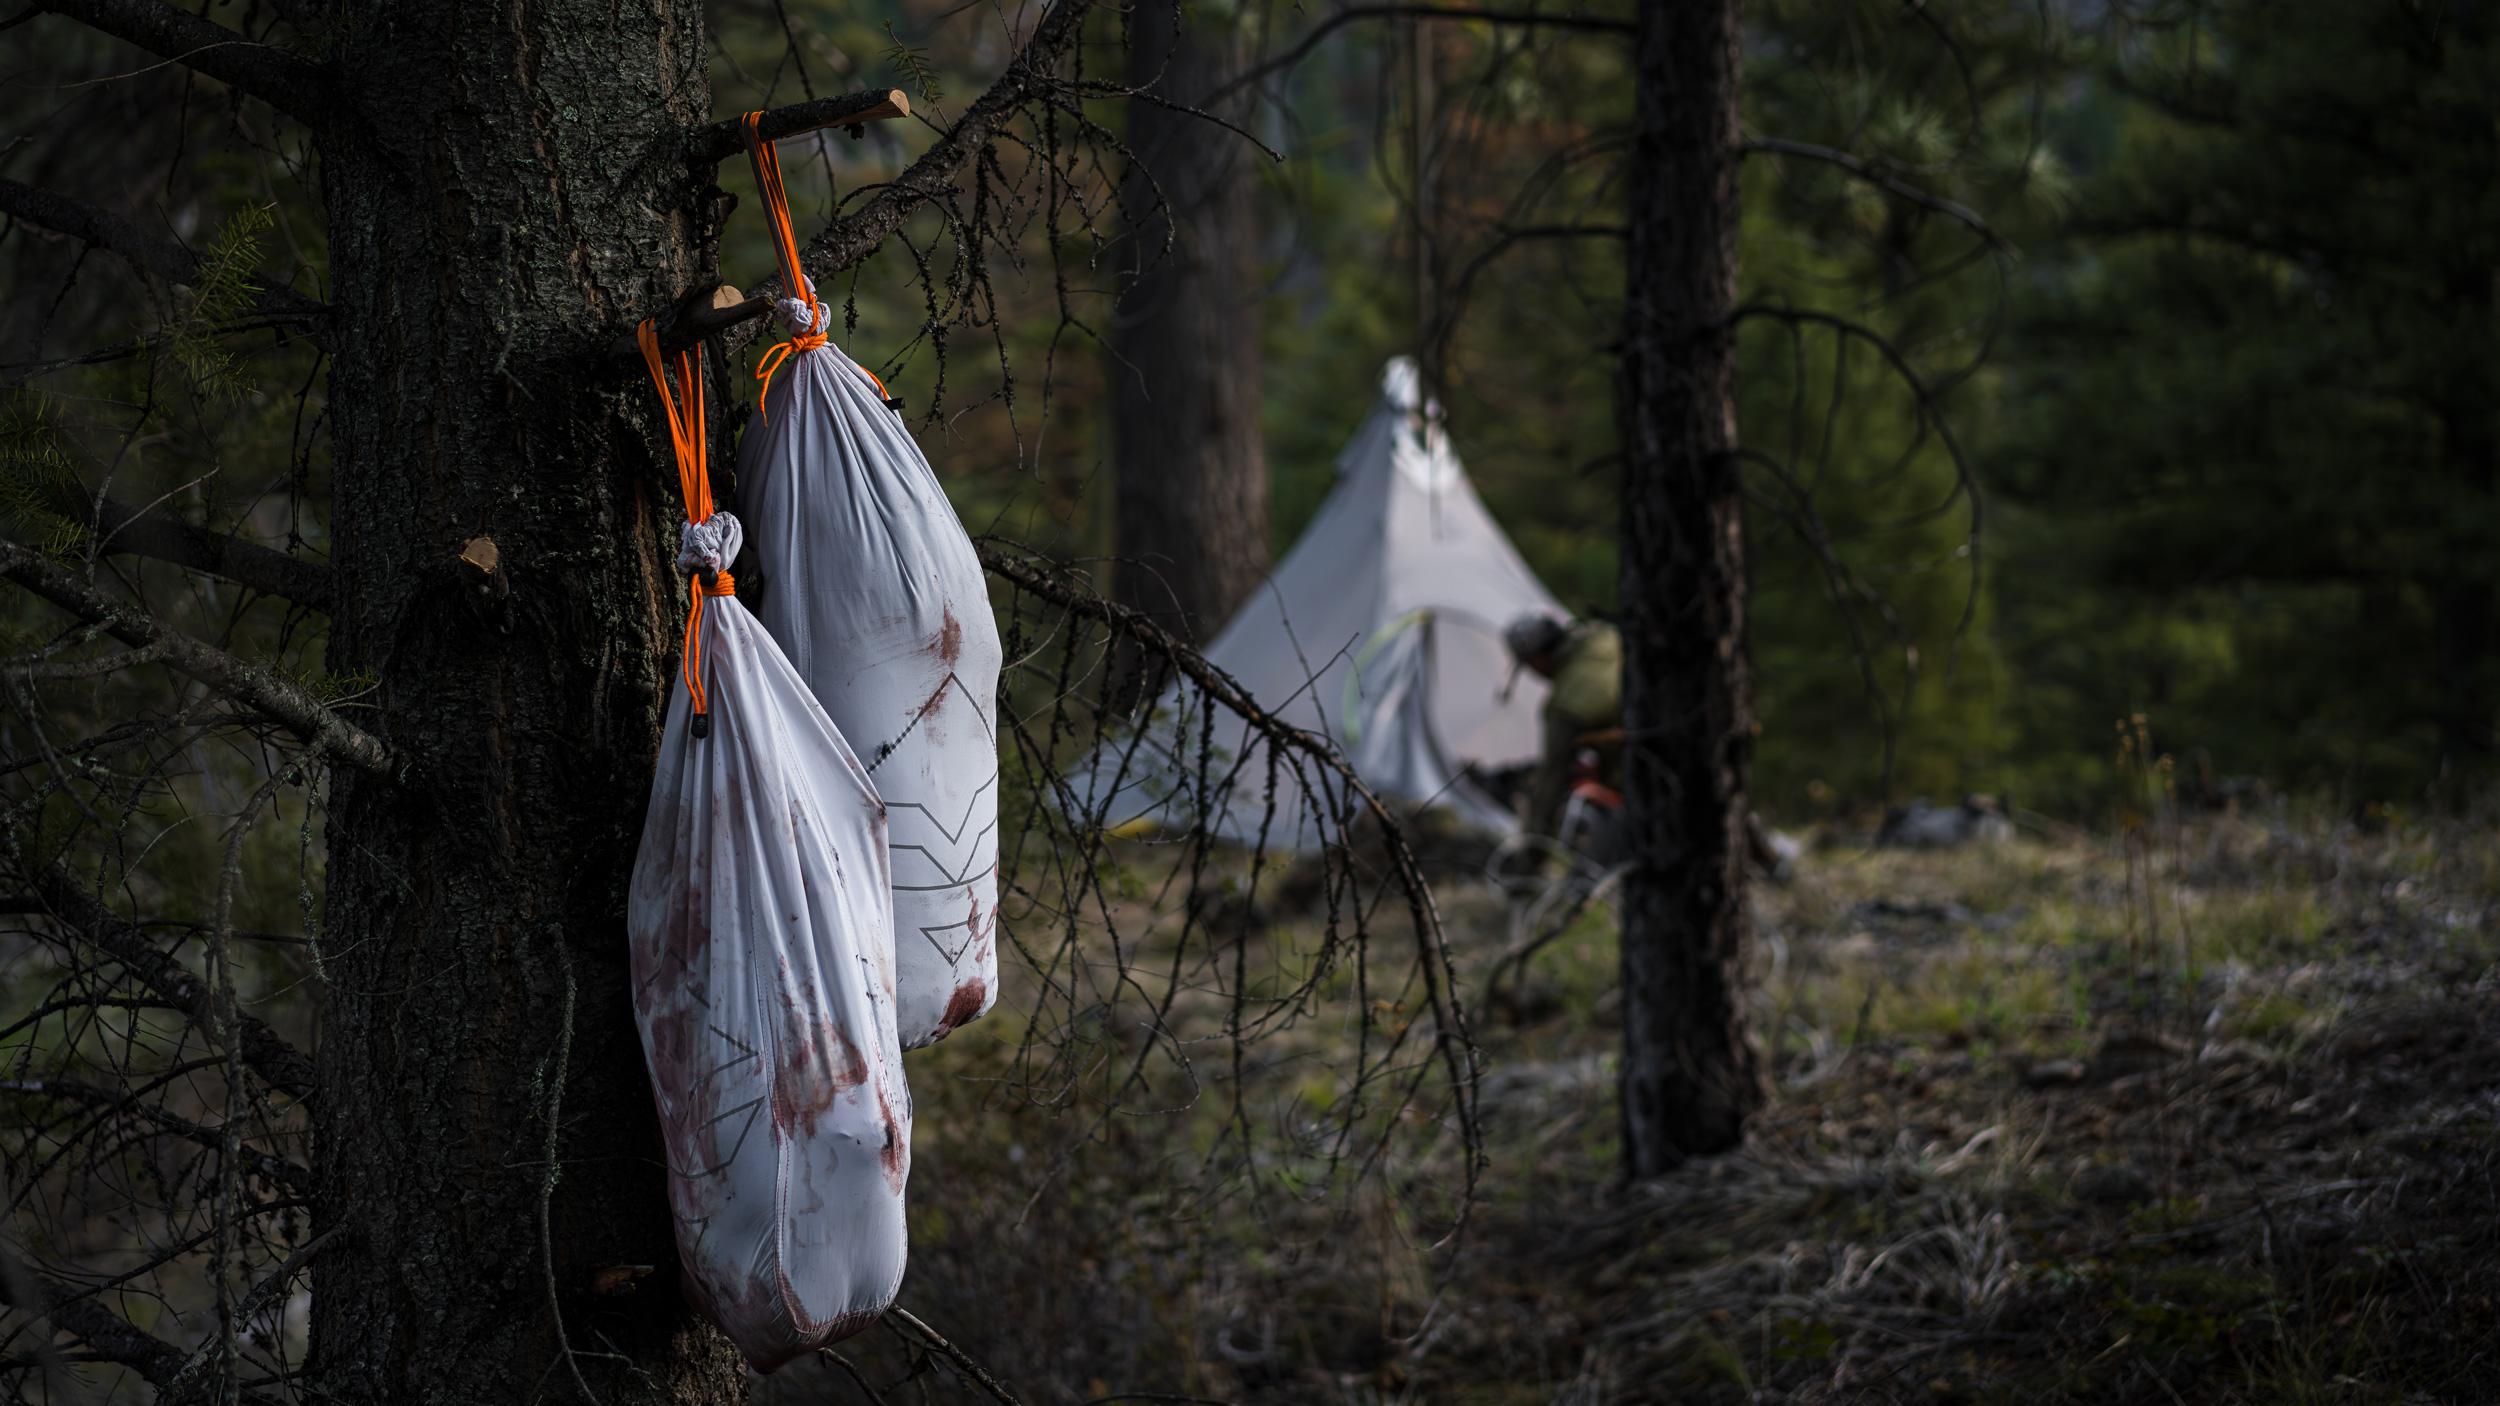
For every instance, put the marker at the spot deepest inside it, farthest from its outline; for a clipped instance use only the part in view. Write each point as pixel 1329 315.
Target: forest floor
pixel 2208 1112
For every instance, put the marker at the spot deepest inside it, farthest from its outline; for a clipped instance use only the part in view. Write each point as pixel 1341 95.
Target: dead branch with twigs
pixel 172 743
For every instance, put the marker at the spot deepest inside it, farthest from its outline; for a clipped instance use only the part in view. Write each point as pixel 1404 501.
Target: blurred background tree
pixel 1190 506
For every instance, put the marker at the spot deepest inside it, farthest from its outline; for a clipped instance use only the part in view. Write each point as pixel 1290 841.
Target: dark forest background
pixel 2220 373
pixel 2218 370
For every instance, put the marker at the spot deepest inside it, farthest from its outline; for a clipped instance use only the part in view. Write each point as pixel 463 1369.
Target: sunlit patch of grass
pixel 2067 923
pixel 2260 925
pixel 2476 859
pixel 1987 879
pixel 2008 877
pixel 2276 1018
pixel 1981 995
pixel 1585 964
pixel 1983 990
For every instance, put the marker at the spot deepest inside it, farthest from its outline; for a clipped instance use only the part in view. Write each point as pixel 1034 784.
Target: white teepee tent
pixel 1381 628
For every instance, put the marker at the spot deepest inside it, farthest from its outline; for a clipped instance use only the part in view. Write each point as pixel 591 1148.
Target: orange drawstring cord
pixel 721 584
pixel 786 248
pixel 773 357
pixel 694 480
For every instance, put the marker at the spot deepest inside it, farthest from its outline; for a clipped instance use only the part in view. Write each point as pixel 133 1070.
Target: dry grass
pixel 2207 1116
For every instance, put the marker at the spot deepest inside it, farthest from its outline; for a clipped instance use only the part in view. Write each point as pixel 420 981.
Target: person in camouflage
pixel 1582 751
pixel 1583 713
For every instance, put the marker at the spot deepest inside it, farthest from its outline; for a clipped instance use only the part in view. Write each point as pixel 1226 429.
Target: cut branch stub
pixel 705 312
pixel 709 311
pixel 719 141
pixel 484 585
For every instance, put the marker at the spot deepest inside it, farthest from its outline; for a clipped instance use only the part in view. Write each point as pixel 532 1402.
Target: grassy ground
pixel 2201 1113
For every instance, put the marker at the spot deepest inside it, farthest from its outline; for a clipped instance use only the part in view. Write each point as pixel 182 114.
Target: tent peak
pixel 1401 385
pixel 1396 441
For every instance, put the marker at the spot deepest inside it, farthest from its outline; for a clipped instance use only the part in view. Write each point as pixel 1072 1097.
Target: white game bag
pixel 872 589
pixel 764 975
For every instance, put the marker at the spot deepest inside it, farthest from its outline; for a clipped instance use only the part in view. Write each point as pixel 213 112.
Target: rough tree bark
pixel 1690 1072
pixel 1191 520
pixel 506 187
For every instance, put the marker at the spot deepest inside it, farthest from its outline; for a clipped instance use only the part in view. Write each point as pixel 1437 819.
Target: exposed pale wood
pixel 704 312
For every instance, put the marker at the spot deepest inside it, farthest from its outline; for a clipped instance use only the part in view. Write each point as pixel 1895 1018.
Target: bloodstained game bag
pixel 874 592
pixel 763 967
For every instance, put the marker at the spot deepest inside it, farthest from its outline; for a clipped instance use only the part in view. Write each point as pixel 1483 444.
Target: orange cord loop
pixel 786 248
pixel 773 357
pixel 694 480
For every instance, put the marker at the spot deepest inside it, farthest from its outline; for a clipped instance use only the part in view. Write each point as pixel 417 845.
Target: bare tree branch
pixel 148 251
pixel 1453 1042
pixel 285 80
pixel 1926 394
pixel 855 237
pixel 119 528
pixel 1309 41
pixel 277 1169
pixel 282 699
pixel 852 239
pixel 271 1285
pixel 962 1360
pixel 1883 180
pixel 69 902
pixel 107 1333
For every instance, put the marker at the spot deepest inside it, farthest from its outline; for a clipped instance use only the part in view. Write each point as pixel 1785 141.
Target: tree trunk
pixel 1690 1072
pixel 1191 520
pixel 507 189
